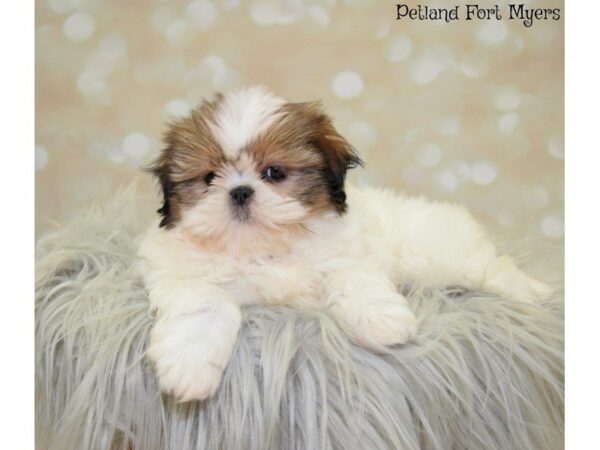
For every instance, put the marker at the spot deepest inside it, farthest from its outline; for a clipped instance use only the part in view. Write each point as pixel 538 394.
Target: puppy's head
pixel 248 169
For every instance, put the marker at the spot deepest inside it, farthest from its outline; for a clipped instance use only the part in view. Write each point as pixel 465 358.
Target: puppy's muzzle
pixel 241 195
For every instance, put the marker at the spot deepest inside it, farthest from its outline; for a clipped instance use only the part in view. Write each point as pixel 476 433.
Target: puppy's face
pixel 246 171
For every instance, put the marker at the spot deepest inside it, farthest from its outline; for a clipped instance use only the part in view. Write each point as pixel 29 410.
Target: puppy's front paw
pixel 385 321
pixel 187 376
pixel 190 351
pixel 386 324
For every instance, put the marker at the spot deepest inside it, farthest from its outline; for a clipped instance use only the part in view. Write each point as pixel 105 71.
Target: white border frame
pixel 17 235
pixel 582 223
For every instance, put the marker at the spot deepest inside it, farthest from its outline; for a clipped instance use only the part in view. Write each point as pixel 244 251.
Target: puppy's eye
pixel 209 177
pixel 275 173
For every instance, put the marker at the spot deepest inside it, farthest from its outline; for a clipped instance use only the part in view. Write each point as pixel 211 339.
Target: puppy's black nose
pixel 241 194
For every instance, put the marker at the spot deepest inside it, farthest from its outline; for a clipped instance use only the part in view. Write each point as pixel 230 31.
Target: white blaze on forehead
pixel 242 116
pixel 236 176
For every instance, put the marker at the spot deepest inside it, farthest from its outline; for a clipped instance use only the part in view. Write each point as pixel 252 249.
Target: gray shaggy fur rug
pixel 484 373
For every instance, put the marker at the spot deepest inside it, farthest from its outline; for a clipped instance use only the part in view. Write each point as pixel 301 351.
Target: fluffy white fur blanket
pixel 484 373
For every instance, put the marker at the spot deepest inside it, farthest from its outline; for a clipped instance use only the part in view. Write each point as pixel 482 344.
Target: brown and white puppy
pixel 255 210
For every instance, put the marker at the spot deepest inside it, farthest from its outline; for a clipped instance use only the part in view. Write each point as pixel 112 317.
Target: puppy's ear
pixel 160 169
pixel 186 142
pixel 339 155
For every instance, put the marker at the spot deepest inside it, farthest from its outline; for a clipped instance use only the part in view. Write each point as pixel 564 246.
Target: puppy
pixel 256 211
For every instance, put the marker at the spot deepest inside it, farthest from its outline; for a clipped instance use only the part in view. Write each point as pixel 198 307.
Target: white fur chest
pixel 282 280
pixel 295 278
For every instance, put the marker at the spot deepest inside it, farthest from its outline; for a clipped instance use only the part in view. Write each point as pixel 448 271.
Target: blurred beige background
pixel 468 112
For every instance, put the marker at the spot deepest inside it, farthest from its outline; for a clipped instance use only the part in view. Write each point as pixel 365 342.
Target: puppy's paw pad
pixel 185 373
pixel 386 325
pixel 190 384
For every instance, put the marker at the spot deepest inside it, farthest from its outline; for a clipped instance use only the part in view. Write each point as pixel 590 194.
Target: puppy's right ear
pixel 160 169
pixel 186 141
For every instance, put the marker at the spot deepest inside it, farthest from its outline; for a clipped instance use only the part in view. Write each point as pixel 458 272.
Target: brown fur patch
pixel 306 143
pixel 191 153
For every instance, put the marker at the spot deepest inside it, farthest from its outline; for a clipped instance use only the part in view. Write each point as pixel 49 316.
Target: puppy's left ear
pixel 339 156
pixel 160 169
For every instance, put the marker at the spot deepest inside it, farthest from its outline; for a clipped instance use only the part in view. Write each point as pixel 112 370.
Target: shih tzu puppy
pixel 256 211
